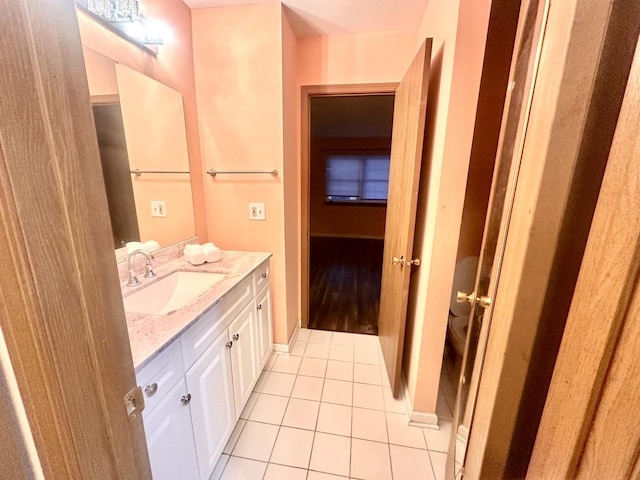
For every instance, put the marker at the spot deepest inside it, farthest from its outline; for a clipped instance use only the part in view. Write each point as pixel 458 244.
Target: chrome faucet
pixel 149 273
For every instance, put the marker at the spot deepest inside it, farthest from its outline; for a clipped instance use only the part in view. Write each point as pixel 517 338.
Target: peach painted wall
pixel 173 66
pixel 291 171
pixel 459 33
pixel 239 83
pixel 366 221
pixel 375 57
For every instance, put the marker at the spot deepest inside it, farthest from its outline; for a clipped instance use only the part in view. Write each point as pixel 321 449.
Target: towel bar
pixel 213 172
pixel 139 172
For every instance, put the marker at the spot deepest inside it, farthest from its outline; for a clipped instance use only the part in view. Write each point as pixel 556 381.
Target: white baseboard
pixel 418 419
pixel 285 348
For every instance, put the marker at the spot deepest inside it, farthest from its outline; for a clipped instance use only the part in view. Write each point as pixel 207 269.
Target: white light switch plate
pixel 256 211
pixel 158 208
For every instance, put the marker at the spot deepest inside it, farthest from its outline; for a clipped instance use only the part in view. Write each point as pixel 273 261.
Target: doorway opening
pixel 349 146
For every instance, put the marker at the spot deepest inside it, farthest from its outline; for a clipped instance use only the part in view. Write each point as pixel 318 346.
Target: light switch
pixel 158 208
pixel 256 211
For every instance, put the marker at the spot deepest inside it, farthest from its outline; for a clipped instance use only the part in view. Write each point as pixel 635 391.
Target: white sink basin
pixel 171 293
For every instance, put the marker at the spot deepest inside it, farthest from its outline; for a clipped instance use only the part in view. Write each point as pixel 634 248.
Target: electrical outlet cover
pixel 257 211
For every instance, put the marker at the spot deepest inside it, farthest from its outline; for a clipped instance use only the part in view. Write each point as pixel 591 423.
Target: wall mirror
pixel 143 148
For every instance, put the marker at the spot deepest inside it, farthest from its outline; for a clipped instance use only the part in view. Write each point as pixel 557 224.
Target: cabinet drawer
pixel 261 276
pixel 200 336
pixel 160 375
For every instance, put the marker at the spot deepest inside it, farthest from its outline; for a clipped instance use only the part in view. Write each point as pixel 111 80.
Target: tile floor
pixel 326 412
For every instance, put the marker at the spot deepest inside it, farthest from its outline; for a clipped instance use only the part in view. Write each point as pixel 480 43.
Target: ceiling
pixel 330 17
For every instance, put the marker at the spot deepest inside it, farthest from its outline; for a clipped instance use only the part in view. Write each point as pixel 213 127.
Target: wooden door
pixel 212 408
pixel 590 427
pixel 61 309
pixel 404 177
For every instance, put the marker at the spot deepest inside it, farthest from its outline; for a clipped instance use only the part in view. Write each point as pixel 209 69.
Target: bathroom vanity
pixel 198 364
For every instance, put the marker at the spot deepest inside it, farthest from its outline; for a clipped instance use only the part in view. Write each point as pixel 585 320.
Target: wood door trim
pixel 559 114
pixel 306 93
pixel 62 314
pixel 600 307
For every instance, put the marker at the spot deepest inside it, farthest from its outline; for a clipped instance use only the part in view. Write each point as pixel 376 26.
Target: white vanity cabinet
pixel 244 362
pixel 197 387
pixel 264 344
pixel 167 418
pixel 170 438
pixel 213 415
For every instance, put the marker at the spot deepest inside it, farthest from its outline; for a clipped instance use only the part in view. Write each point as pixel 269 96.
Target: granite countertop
pixel 149 334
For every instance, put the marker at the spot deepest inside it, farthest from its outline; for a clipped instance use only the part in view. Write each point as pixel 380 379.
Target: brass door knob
pixel 415 262
pixel 483 300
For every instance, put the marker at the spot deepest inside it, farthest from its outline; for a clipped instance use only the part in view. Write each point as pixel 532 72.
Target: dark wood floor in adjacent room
pixel 345 276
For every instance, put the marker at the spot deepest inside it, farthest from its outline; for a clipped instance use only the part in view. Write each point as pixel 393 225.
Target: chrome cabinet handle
pixel 186 399
pixel 259 306
pixel 150 390
pixel 263 275
pixel 228 344
pixel 236 336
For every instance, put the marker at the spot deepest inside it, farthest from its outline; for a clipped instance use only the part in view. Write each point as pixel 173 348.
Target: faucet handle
pixel 149 273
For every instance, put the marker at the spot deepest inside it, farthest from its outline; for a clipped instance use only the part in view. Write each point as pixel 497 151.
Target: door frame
pixel 562 117
pixel 307 92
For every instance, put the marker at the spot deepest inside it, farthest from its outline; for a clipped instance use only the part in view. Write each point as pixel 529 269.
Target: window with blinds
pixel 357 178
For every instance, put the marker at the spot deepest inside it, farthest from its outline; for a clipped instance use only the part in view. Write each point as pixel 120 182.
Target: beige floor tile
pixel 256 441
pixel 344 353
pixel 246 411
pixel 287 364
pixel 410 464
pixel 384 376
pixel 293 447
pixel 368 355
pixel 369 425
pixel 337 391
pixel 279 384
pixel 340 370
pixel 272 359
pixel 363 373
pixel 308 388
pixel 324 476
pixel 331 454
pixel 243 468
pixel 334 419
pixel 320 336
pixel 371 341
pixel 280 472
pixel 395 405
pixel 303 334
pixel 370 460
pixel 301 414
pixel 400 433
pixel 298 348
pixel 313 367
pixel 438 440
pixel 262 379
pixel 269 409
pixel 233 439
pixel 439 463
pixel 317 350
pixel 342 338
pixel 368 396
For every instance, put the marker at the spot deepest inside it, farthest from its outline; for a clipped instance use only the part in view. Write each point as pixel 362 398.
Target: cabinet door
pixel 244 360
pixel 212 407
pixel 264 340
pixel 169 435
